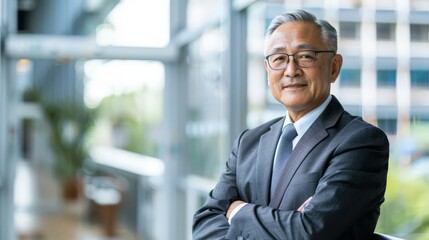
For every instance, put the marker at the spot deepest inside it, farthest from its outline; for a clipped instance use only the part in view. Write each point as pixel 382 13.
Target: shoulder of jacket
pixel 265 126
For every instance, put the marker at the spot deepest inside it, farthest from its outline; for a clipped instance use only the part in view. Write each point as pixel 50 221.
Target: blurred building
pixel 179 86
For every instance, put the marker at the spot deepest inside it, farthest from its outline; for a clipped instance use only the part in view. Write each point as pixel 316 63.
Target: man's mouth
pixel 295 86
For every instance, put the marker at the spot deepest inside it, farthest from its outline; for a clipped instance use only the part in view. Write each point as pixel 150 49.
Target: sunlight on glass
pixel 136 23
pixel 117 77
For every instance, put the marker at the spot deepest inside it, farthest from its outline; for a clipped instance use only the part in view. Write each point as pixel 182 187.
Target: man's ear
pixel 266 65
pixel 267 68
pixel 337 63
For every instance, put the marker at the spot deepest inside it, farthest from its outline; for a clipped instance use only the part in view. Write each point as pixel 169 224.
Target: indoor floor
pixel 42 214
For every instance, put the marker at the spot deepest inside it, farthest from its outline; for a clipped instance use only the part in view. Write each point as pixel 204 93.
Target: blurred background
pixel 117 116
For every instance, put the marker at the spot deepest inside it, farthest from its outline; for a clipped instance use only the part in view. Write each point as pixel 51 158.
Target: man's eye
pixel 306 56
pixel 279 58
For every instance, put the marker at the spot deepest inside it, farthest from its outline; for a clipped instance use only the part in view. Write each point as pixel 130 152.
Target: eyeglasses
pixel 304 59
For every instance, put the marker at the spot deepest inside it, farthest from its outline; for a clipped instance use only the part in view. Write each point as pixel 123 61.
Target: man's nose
pixel 292 69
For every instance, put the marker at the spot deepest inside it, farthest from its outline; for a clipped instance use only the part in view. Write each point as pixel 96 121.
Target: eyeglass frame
pixel 316 52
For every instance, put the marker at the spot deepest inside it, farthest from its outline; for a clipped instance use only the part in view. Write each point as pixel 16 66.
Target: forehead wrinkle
pixel 304 46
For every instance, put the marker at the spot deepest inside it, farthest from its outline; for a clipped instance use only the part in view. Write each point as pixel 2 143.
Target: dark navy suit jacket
pixel 341 161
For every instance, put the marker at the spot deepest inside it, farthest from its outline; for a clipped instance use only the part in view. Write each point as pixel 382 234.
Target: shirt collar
pixel 304 123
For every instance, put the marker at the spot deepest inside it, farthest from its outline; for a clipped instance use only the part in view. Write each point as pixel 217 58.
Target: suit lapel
pixel 264 162
pixel 316 133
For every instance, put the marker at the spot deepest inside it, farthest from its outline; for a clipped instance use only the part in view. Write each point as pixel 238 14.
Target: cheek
pixel 274 87
pixel 276 90
pixel 274 80
pixel 322 79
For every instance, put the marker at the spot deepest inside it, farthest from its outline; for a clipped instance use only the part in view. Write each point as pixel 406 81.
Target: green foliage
pixel 31 95
pixel 69 127
pixel 405 211
pixel 138 115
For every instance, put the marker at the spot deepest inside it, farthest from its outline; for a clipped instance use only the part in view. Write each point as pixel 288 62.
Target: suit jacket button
pixel 240 238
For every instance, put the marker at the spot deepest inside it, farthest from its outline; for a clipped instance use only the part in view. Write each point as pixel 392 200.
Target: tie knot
pixel 289 132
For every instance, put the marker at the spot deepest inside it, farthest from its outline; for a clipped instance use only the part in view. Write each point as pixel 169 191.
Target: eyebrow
pixel 299 47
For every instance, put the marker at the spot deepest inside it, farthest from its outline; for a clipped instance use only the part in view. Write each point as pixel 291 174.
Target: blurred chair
pixel 380 236
pixel 106 194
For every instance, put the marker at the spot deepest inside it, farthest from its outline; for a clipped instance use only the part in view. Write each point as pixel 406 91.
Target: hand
pixel 232 206
pixel 301 208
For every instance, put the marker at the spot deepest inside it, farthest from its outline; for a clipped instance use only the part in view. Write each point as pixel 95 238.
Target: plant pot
pixel 72 189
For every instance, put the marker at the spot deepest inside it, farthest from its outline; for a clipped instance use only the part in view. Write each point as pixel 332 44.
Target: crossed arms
pixel 346 198
pixel 237 203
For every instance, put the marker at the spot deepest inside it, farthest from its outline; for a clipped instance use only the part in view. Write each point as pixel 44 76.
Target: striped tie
pixel 283 152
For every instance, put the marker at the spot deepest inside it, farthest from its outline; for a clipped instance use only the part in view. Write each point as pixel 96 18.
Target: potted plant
pixel 69 126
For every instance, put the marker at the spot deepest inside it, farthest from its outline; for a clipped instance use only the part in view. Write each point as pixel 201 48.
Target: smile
pixel 295 86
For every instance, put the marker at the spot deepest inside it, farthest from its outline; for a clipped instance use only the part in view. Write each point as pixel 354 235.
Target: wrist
pixel 233 209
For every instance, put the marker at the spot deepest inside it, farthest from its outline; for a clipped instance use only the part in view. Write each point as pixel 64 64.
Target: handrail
pixel 200 184
pixel 128 161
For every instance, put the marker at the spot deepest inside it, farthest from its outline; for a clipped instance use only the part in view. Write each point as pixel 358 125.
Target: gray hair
pixel 329 34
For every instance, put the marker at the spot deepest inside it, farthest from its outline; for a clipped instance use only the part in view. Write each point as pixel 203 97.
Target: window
pixel 386 78
pixel 206 133
pixel 385 31
pixel 354 109
pixel 129 106
pixel 130 23
pixel 419 32
pixel 419 78
pixel 350 78
pixel 387 125
pixel 349 30
pixel 419 118
pixel 200 12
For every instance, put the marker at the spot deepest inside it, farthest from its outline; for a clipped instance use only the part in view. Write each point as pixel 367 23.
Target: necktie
pixel 283 152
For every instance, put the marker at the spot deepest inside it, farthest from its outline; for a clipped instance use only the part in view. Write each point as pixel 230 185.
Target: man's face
pixel 301 89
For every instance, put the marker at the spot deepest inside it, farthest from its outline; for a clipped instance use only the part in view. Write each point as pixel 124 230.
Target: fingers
pixel 302 207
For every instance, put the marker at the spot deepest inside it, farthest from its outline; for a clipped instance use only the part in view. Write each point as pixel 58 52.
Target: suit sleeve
pixel 351 188
pixel 210 221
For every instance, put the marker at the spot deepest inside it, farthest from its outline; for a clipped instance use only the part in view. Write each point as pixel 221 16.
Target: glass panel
pixel 419 32
pixel 350 30
pixel 385 31
pixel 136 23
pixel 258 93
pixel 350 77
pixel 128 95
pixel 386 78
pixel 206 128
pixel 419 78
pixel 387 125
pixel 201 12
pixel 403 212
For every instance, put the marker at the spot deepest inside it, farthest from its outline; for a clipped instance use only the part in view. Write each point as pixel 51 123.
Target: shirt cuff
pixel 235 211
